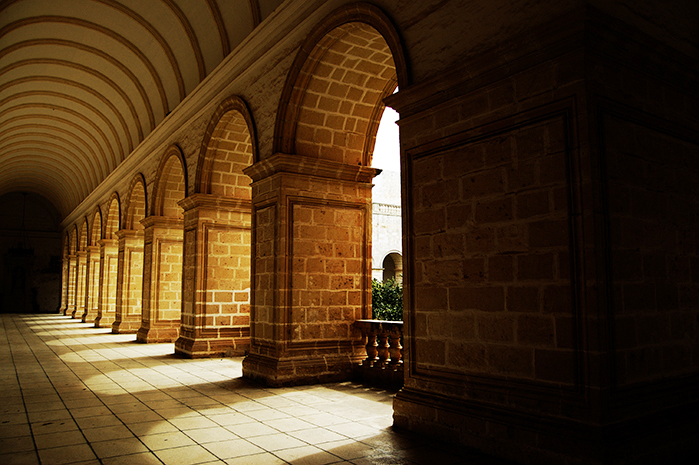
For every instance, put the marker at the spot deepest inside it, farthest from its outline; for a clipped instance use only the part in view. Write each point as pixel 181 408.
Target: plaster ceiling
pixel 82 82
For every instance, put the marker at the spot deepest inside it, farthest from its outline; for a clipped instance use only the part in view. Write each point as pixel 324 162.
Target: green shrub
pixel 387 300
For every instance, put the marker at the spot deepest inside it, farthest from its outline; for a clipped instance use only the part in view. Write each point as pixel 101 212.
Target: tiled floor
pixel 72 393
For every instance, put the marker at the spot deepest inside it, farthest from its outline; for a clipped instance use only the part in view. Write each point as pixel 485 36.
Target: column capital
pixel 299 164
pixel 215 201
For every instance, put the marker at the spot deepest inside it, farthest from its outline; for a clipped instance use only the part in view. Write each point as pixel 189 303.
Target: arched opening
pixel 321 225
pixel 109 258
pixel 81 275
pixel 72 268
pixel 162 253
pixel 130 261
pixel 216 297
pixel 393 267
pixel 94 266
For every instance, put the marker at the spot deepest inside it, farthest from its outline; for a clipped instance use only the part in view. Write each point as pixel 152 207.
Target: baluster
pixel 396 349
pixel 383 348
pixel 371 350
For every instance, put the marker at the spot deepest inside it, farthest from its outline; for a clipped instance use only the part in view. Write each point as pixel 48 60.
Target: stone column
pixel 551 226
pixel 80 284
pixel 65 270
pixel 311 268
pixel 216 279
pixel 106 308
pixel 162 279
pixel 92 290
pixel 72 284
pixel 127 318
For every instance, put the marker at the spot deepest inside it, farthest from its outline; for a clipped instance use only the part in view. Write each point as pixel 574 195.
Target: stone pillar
pixel 72 284
pixel 129 293
pixel 162 279
pixel 216 279
pixel 92 289
pixel 80 284
pixel 311 268
pixel 109 257
pixel 65 270
pixel 551 220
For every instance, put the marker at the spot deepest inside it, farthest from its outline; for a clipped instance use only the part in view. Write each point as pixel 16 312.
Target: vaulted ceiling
pixel 83 82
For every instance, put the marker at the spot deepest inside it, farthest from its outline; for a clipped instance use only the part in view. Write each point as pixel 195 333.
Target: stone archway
pixel 130 261
pixel 109 257
pixel 72 270
pixel 162 253
pixel 81 271
pixel 312 202
pixel 216 280
pixel 94 266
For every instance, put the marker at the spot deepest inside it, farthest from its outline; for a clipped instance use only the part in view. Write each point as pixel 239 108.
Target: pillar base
pixel 126 327
pixel 221 343
pixel 154 334
pixel 104 321
pixel 298 370
pixel 88 318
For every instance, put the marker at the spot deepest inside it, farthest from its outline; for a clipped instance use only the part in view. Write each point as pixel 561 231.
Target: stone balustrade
pixel 384 362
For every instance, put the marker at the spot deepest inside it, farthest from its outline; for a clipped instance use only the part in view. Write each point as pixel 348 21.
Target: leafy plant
pixel 387 300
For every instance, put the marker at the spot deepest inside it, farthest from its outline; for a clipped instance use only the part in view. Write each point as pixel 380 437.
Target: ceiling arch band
pixel 88 70
pixel 87 81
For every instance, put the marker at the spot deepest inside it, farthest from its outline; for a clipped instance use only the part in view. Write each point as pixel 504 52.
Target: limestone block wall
pixel 162 280
pixel 216 292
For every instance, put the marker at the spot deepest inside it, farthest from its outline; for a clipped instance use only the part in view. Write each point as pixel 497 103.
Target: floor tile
pixel 316 435
pixel 63 438
pixel 248 430
pixel 138 417
pixel 307 455
pixel 20 458
pixel 117 447
pixel 107 433
pixel 193 422
pixel 98 422
pixel 167 440
pixel 288 424
pixel 53 426
pixel 347 449
pixel 233 448
pixel 273 442
pixel 206 435
pixel 265 458
pixel 228 419
pixel 151 427
pixel 147 458
pixel 66 454
pixel 189 454
pixel 17 444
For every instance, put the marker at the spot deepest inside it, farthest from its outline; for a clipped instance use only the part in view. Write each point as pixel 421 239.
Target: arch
pixel 84 234
pixel 135 209
pixel 170 184
pixel 73 235
pixel 332 100
pixel 393 266
pixel 229 146
pixel 66 246
pixel 112 223
pixel 96 230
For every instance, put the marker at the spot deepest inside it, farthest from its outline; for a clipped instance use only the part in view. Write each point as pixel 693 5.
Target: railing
pixel 383 364
pixel 385 209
